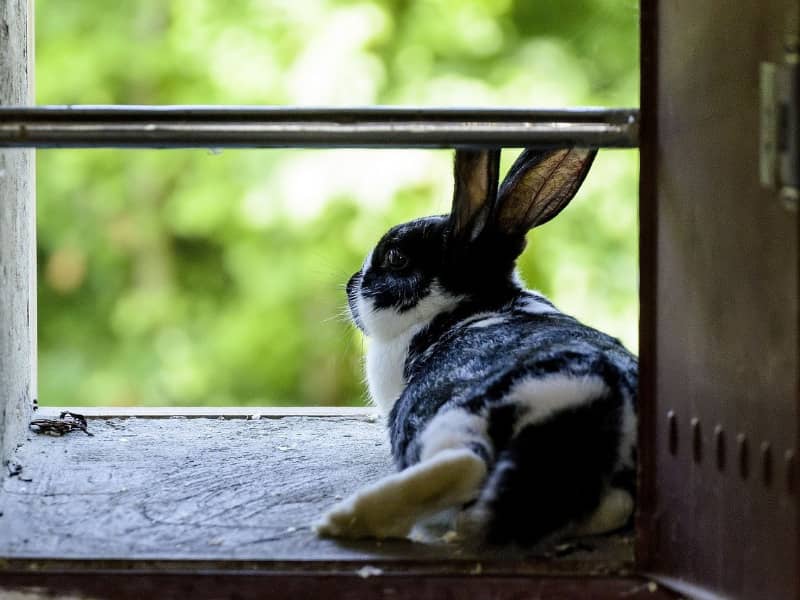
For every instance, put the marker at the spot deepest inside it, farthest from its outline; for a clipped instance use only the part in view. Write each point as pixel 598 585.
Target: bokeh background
pixel 211 278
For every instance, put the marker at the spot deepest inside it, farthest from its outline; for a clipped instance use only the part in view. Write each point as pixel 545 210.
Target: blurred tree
pixel 199 277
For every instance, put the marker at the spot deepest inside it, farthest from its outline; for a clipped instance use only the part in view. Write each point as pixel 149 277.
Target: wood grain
pixel 221 489
pixel 17 237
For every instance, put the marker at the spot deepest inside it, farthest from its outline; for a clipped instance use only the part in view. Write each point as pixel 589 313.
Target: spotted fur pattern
pixel 515 417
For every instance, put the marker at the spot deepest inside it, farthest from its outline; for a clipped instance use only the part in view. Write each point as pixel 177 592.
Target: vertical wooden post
pixel 17 235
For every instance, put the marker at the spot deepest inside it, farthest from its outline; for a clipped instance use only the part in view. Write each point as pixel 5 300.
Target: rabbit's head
pixel 428 266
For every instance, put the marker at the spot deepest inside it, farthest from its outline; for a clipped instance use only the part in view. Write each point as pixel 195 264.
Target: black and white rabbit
pixel 504 411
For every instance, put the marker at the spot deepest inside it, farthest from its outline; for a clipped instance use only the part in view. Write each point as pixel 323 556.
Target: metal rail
pixel 282 127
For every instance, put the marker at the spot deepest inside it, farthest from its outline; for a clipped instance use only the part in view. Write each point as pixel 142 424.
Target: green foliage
pixel 199 277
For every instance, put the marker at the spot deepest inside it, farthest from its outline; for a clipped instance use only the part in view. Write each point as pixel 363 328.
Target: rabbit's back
pixel 474 360
pixel 546 402
pixel 514 370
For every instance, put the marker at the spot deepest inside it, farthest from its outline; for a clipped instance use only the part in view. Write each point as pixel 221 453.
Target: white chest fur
pixel 390 332
pixel 386 359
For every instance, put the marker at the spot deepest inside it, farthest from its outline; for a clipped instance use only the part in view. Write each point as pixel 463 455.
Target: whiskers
pixel 342 315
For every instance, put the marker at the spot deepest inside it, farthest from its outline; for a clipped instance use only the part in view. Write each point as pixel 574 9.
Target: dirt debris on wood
pixel 368 571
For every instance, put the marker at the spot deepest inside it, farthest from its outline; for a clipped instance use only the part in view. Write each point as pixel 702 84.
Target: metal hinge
pixel 780 127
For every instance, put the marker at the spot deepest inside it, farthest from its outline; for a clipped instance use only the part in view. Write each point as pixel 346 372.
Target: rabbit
pixel 510 418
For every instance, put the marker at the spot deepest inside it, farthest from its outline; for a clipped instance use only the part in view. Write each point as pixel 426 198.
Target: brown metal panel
pixel 720 409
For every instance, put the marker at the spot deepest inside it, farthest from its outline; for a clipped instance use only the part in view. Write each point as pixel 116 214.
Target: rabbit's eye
pixel 395 260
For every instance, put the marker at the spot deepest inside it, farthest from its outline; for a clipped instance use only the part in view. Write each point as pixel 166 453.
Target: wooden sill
pixel 168 493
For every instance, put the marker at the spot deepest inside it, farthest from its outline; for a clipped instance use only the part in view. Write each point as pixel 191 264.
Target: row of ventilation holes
pixel 742 452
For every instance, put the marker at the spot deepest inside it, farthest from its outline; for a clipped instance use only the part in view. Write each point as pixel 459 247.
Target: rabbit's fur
pixel 504 413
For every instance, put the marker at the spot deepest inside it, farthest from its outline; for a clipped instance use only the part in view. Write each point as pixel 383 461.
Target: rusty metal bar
pixel 281 127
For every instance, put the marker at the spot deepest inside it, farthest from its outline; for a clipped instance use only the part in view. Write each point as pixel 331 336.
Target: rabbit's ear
pixel 538 186
pixel 476 173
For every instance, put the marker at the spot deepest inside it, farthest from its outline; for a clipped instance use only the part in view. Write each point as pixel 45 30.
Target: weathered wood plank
pixel 222 490
pixel 232 412
pixel 17 236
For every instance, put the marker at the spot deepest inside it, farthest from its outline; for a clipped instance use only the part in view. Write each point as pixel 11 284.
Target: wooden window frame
pixel 176 127
pixel 25 128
